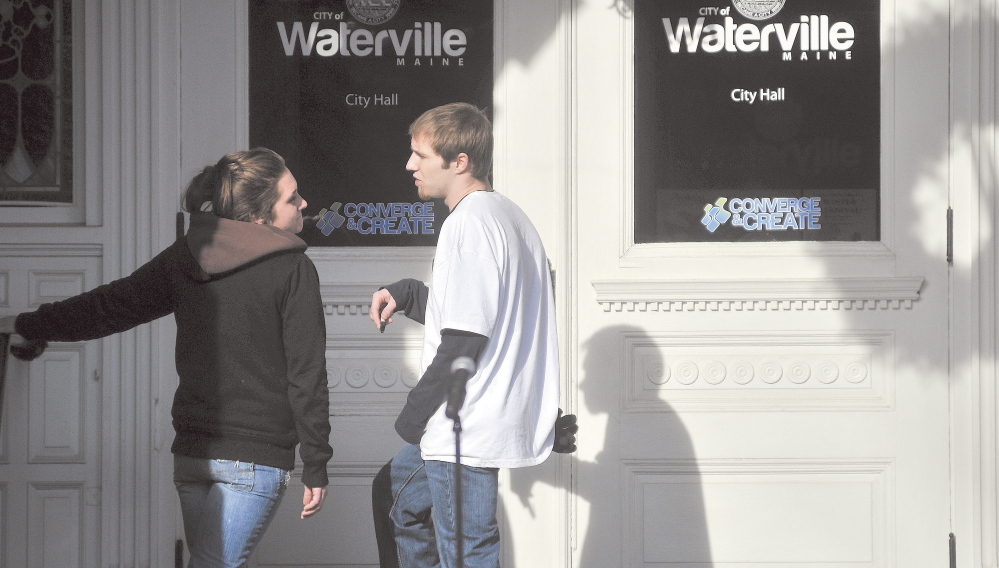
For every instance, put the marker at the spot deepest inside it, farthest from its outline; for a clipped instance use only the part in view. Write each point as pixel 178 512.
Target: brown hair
pixel 458 128
pixel 241 186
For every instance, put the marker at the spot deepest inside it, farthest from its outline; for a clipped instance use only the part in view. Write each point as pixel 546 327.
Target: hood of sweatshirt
pixel 221 245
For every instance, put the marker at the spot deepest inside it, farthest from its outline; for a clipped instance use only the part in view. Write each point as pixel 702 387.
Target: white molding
pixel 58 399
pixel 985 249
pixel 378 255
pixel 371 374
pixel 888 118
pixel 374 342
pixel 638 475
pixel 347 299
pixel 132 91
pixel 758 371
pixel 241 63
pixel 342 470
pixel 566 264
pixel 974 311
pixel 565 261
pixel 636 254
pixel 35 250
pixel 647 254
pixel 86 202
pixel 758 294
pixel 626 241
pixel 56 512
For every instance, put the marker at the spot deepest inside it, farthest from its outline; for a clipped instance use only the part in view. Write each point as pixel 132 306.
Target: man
pixel 490 299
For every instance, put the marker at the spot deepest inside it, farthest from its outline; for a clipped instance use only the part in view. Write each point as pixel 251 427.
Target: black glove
pixel 565 433
pixel 29 350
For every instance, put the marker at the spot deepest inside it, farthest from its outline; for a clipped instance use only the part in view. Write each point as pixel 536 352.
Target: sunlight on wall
pixel 909 20
pixel 929 199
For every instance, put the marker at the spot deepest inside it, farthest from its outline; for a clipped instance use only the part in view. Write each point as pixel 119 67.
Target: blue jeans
pixel 415 510
pixel 226 506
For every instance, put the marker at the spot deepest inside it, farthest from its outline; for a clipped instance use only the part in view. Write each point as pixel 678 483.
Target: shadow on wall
pixel 675 514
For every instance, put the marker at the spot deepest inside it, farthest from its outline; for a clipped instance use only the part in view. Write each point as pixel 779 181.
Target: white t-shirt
pixel 491 277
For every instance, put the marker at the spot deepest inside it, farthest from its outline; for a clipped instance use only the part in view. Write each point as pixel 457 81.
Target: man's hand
pixel 382 307
pixel 565 433
pixel 312 501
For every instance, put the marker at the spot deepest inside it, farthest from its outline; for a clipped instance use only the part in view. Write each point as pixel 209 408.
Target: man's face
pixel 432 179
pixel 288 209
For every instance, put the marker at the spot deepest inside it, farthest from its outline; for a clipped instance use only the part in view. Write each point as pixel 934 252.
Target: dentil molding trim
pixel 758 294
pixel 347 299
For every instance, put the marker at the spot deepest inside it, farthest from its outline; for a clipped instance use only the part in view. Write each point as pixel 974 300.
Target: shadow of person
pixel 637 488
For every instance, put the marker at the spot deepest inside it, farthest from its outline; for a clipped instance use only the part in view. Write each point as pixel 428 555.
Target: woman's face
pixel 289 206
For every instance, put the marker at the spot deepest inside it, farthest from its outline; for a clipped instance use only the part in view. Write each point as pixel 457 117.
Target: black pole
pixel 4 342
pixel 462 368
pixel 459 515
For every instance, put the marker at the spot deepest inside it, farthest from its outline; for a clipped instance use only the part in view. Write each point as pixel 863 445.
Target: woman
pixel 250 351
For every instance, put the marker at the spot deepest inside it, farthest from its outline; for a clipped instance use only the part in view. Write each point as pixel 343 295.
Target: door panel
pixel 50 475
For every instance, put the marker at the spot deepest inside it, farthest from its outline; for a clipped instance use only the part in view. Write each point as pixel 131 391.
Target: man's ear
pixel 461 163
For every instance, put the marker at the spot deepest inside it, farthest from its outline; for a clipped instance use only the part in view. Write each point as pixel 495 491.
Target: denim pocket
pixel 235 474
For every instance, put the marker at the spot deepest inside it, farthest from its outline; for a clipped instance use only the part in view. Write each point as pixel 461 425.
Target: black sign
pixel 334 86
pixel 757 121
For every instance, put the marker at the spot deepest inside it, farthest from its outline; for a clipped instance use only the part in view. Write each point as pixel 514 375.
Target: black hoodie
pixel 251 341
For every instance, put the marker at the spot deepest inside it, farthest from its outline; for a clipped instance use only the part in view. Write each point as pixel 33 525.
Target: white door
pixel 759 404
pixel 50 472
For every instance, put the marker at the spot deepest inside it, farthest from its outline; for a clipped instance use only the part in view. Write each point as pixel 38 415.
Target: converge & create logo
pixel 764 214
pixel 715 215
pixel 330 219
pixel 378 218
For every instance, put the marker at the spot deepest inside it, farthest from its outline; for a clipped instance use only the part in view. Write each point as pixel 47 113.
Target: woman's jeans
pixel 415 513
pixel 226 506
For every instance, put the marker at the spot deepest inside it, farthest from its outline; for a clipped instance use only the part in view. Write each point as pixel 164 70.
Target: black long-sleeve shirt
pixel 431 392
pixel 251 341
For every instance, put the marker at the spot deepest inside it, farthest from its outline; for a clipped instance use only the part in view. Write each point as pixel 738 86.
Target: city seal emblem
pixel 373 12
pixel 758 9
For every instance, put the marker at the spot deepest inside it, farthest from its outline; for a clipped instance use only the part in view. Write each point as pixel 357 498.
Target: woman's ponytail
pixel 241 186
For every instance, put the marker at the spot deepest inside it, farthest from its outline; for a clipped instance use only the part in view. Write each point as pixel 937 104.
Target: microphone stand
pixel 4 341
pixel 462 369
pixel 459 514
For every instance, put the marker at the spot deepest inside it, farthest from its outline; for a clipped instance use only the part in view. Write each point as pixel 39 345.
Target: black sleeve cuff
pixel 410 297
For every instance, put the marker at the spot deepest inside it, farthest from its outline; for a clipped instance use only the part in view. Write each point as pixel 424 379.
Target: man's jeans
pixel 226 506
pixel 415 513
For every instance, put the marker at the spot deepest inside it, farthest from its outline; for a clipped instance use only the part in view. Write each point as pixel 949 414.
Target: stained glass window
pixel 36 111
